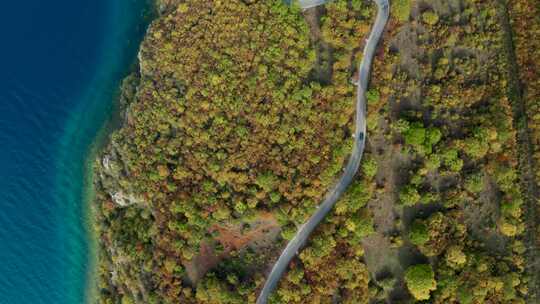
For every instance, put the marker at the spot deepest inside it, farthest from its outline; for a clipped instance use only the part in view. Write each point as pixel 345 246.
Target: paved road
pixel 307 3
pixel 310 3
pixel 331 198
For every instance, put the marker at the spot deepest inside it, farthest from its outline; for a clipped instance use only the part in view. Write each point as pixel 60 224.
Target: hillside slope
pixel 240 119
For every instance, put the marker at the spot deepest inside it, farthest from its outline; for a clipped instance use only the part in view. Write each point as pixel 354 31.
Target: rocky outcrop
pixel 111 175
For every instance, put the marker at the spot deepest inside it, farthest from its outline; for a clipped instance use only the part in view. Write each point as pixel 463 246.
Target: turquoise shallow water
pixel 60 66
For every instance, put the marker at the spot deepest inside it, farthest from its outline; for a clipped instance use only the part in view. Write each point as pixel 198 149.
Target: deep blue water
pixel 60 66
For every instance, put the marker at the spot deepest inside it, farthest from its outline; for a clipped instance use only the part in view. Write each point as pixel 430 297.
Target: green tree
pixel 419 233
pixel 420 281
pixel 430 17
pixel 409 196
pixel 401 9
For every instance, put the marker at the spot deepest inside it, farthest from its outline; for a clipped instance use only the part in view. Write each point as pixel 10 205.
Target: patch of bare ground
pixel 385 259
pixel 382 205
pixel 232 239
pixel 406 42
pixel 389 177
pixel 381 258
pixel 322 72
pixel 481 218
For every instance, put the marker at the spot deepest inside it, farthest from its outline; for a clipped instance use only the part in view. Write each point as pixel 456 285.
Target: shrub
pixel 508 229
pixel 422 139
pixel 474 183
pixel 419 233
pixel 430 17
pixel 267 181
pixel 409 196
pixel 415 135
pixel 440 229
pixel 127 300
pixel 452 160
pixel 369 167
pixel 433 162
pixel 401 126
pixel 455 257
pixel 433 135
pixel 373 96
pixel 401 9
pixel 420 281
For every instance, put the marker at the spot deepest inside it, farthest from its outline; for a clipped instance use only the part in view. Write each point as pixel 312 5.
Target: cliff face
pixel 238 121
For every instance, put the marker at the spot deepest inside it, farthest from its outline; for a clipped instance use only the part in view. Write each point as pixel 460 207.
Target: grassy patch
pixel 401 9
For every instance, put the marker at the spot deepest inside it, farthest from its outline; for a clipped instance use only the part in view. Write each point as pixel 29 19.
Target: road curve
pixel 331 197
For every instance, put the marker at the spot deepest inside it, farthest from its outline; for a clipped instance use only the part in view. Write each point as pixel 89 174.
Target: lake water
pixel 60 66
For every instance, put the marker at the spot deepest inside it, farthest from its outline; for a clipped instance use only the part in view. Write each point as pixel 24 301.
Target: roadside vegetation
pixel 240 119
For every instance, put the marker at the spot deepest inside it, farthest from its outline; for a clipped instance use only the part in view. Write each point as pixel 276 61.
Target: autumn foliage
pixel 244 109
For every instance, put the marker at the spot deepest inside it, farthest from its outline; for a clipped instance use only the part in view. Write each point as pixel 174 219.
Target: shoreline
pixel 89 197
pixel 112 122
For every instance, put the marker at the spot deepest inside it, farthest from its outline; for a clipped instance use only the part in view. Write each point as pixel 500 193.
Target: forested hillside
pixel 239 120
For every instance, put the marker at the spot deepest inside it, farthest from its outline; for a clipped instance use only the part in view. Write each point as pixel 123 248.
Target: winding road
pixel 331 198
